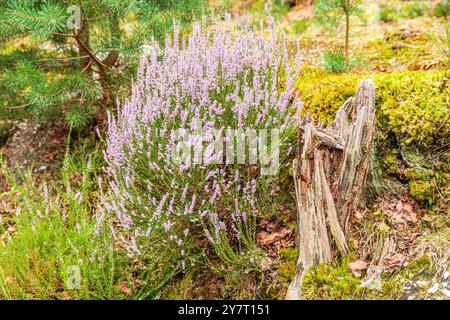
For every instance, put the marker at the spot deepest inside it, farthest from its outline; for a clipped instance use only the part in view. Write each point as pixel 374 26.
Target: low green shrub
pixel 55 232
pixel 415 9
pixel 389 13
pixel 442 9
pixel 334 61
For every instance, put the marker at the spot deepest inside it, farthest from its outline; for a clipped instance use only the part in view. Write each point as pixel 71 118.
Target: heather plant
pixel 218 79
pixel 57 245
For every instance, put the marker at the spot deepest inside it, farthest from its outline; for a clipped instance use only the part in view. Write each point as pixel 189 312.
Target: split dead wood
pixel 330 173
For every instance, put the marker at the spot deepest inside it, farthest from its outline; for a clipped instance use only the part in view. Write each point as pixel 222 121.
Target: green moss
pixel 390 163
pixel 430 185
pixel 418 174
pixel 324 93
pixel 394 284
pixel 299 27
pixel 422 191
pixel 414 105
pixel 336 282
pixel 286 272
pixel 178 289
pixel 287 269
pixel 417 105
pixel 331 282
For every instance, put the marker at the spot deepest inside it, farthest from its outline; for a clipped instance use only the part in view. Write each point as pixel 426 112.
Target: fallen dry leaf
pixel 357 267
pixel 392 260
pixel 401 212
pixel 379 69
pixel 125 289
pixel 275 236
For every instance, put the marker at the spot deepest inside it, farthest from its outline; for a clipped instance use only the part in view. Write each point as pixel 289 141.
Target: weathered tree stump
pixel 330 173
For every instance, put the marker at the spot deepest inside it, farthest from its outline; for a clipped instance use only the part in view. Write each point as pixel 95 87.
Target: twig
pixel 23 106
pixel 56 58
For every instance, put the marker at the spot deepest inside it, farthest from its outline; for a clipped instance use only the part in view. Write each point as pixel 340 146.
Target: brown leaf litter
pixel 393 238
pixel 273 237
pixel 41 146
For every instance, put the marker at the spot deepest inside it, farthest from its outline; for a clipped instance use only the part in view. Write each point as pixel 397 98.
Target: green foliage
pixel 442 9
pixel 55 228
pixel 37 18
pixel 48 93
pixel 57 72
pixel 334 61
pixel 278 8
pixel 414 9
pixel 331 12
pixel 78 117
pixel 388 13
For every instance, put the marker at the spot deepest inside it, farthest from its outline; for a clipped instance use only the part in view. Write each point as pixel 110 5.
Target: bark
pixel 330 173
pixel 84 49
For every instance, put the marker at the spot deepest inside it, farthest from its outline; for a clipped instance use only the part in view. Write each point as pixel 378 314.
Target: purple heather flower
pixel 218 78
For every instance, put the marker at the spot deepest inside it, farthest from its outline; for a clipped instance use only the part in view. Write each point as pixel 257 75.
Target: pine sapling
pixel 332 11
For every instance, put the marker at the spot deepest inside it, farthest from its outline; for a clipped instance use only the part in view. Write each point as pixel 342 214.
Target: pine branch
pixel 89 52
pixel 6 23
